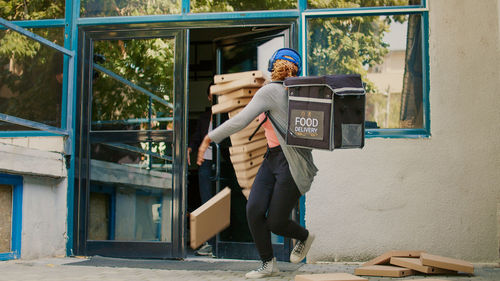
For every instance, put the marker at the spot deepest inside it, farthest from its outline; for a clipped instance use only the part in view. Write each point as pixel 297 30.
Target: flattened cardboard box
pixel 383 270
pixel 249 147
pixel 210 218
pixel 447 263
pixel 240 93
pixel 416 264
pixel 230 105
pixel 329 277
pixel 220 89
pixel 386 257
pixel 240 157
pixel 224 78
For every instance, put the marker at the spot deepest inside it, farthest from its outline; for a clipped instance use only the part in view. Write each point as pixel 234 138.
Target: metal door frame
pixel 133 249
pixel 247 250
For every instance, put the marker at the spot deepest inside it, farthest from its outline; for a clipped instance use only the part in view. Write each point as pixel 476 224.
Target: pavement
pixel 190 269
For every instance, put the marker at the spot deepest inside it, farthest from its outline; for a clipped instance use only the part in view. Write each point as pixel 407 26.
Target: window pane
pixel 320 4
pixel 204 6
pixel 386 51
pixel 99 8
pixel 31 76
pixel 146 63
pixel 5 218
pixel 31 10
pixel 131 191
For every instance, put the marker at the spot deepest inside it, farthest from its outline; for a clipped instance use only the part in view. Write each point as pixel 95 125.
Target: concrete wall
pixel 41 163
pixel 438 194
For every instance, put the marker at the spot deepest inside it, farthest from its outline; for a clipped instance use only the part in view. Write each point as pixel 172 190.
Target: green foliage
pixel 28 75
pixel 31 9
pixel 99 8
pixel 203 6
pixel 147 63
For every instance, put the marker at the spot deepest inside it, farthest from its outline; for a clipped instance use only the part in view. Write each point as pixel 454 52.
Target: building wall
pixel 437 194
pixel 40 162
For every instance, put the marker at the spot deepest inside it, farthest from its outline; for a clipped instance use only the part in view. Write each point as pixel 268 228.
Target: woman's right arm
pixel 259 103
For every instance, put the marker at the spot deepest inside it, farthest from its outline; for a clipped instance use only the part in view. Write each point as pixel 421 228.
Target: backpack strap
pixel 268 116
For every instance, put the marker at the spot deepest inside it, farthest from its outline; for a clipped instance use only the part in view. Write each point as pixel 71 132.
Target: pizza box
pixel 210 218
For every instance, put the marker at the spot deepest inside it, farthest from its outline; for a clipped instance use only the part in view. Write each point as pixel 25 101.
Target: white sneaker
pixel 267 269
pixel 205 250
pixel 300 250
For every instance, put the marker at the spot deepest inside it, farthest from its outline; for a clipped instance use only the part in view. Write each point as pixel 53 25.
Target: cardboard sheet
pixel 249 147
pixel 244 141
pixel 329 277
pixel 210 218
pixel 248 164
pixel 224 78
pixel 246 173
pixel 240 93
pixel 220 89
pixel 386 257
pixel 383 270
pixel 240 157
pixel 416 264
pixel 447 263
pixel 229 105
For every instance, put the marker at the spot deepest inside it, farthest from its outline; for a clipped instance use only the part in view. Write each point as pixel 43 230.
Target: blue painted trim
pixel 35 37
pixel 132 85
pixel 362 10
pixel 17 215
pixel 302 5
pixel 32 124
pixel 16 134
pixel 396 133
pixel 186 6
pixel 302 213
pixel 38 23
pixel 72 13
pixel 426 72
pixel 190 17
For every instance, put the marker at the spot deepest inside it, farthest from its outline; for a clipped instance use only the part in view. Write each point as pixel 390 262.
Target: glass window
pixel 31 76
pixel 31 10
pixel 99 8
pixel 320 4
pixel 386 51
pixel 145 63
pixel 204 6
pixel 131 191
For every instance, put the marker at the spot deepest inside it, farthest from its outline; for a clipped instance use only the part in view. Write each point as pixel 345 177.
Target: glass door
pixel 245 52
pixel 132 123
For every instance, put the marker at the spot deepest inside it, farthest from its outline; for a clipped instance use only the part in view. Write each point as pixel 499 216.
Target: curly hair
pixel 283 69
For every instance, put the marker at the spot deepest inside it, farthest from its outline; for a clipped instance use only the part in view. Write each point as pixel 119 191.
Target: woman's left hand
pixel 201 150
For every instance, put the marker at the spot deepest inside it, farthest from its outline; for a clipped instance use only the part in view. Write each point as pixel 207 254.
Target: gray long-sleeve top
pixel 273 98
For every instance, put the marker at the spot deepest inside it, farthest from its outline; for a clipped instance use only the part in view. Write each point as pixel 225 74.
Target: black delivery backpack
pixel 326 112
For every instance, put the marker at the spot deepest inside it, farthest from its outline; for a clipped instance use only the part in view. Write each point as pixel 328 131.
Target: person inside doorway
pixel 204 126
pixel 285 174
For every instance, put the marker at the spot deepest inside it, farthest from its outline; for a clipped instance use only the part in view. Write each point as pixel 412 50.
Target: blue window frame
pixel 17 209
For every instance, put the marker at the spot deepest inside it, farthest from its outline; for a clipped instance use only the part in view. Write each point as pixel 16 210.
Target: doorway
pixel 229 50
pixel 131 123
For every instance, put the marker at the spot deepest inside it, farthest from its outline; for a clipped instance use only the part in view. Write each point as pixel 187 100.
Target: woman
pixel 285 174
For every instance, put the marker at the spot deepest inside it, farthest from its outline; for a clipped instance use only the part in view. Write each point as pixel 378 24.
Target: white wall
pixel 438 194
pixel 44 217
pixel 41 163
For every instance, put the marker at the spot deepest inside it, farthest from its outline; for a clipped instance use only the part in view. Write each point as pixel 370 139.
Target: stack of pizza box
pixel 406 263
pixel 234 91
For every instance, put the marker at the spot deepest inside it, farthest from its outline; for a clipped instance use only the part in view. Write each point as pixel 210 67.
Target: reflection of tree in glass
pixel 200 6
pixel 99 8
pixel 31 10
pixel 146 63
pixel 28 74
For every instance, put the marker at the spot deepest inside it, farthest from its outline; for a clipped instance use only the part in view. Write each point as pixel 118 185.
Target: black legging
pixel 274 195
